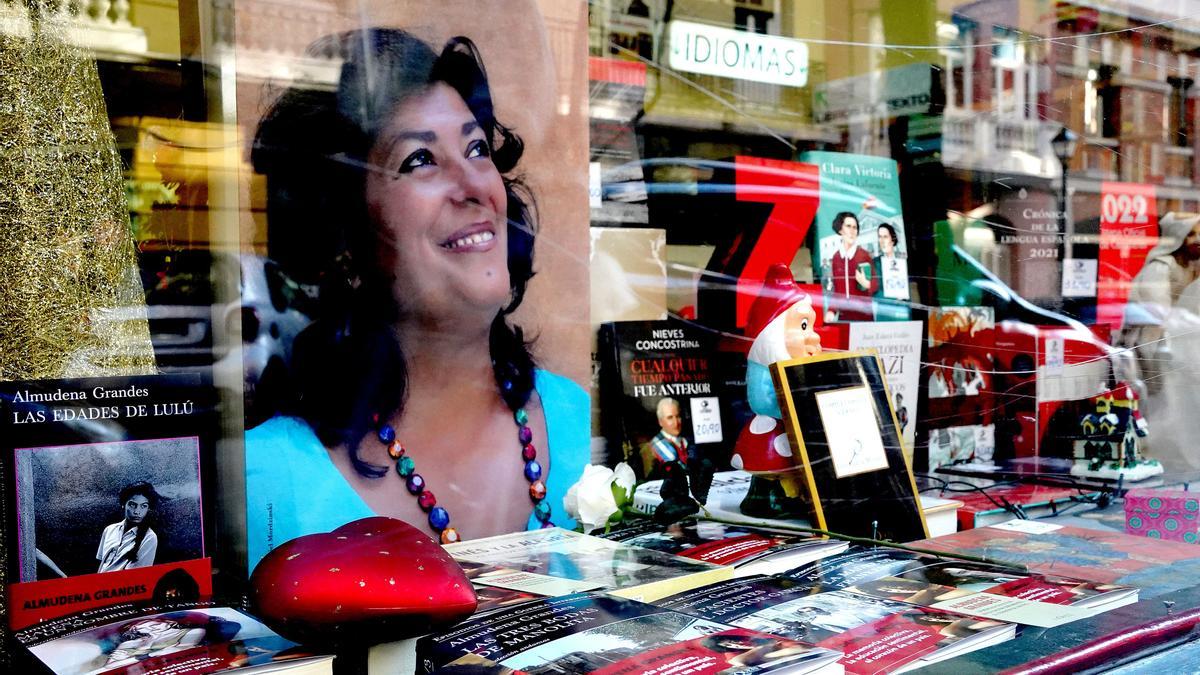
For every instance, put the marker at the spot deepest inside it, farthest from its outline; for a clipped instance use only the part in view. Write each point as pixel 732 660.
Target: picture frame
pixel 847 443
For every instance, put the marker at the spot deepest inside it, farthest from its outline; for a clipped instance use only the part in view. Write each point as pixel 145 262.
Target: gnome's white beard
pixel 771 344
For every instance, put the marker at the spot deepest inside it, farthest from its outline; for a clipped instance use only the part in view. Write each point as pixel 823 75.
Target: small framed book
pixel 847 443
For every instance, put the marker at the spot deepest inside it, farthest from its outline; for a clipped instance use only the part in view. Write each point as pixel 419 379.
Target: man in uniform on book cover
pixel 669 444
pixel 130 543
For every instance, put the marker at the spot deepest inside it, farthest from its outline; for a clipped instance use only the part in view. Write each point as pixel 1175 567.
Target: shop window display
pixel 441 274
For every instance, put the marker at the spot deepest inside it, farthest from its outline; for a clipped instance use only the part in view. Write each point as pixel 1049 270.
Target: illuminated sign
pixel 700 48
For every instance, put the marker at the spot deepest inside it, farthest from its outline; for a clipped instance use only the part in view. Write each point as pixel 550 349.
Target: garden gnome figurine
pixel 781 323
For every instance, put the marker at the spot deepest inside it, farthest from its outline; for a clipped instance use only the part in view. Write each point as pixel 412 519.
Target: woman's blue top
pixel 293 488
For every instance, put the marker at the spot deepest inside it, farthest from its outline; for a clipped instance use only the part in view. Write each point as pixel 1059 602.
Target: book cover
pixel 108 491
pixel 1154 566
pixel 726 492
pixel 959 373
pixel 867 188
pixel 166 639
pixel 898 345
pixel 876 635
pixel 991 503
pixel 750 550
pixel 659 393
pixel 846 439
pixel 596 633
pixel 991 591
pixel 620 569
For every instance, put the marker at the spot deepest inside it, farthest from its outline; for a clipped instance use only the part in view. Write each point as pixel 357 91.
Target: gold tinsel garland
pixel 71 303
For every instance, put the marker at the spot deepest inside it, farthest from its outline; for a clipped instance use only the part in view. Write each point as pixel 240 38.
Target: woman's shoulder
pixel 281 429
pixel 279 425
pixel 264 442
pixel 562 399
pixel 568 412
pixel 556 387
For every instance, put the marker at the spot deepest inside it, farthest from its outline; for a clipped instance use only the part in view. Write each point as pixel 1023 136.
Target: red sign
pixel 1128 230
pixel 794 189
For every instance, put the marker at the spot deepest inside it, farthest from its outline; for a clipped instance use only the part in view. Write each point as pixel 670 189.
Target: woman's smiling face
pixel 439 209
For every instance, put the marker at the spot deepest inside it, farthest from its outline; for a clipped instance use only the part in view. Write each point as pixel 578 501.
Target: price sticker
pixel 706 420
pixel 1079 278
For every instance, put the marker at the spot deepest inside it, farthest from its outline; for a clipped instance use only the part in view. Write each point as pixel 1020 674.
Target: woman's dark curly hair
pixel 313 145
pixel 840 218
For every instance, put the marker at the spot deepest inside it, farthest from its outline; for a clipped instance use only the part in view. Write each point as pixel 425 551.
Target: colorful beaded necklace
pixel 439 517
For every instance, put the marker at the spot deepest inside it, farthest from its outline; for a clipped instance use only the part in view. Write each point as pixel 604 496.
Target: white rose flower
pixel 590 501
pixel 624 478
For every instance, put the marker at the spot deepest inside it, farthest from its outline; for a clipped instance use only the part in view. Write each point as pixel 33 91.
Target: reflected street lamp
pixel 1063 144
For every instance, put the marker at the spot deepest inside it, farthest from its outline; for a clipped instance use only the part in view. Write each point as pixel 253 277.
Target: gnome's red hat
pixel 779 291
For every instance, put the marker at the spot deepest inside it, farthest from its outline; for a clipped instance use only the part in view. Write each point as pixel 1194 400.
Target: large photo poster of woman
pixel 428 185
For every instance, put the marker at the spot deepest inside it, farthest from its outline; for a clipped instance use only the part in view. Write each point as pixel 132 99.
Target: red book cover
pixel 959 375
pixel 1034 588
pixel 875 634
pixel 1154 566
pixel 979 505
pixel 732 650
pixel 896 640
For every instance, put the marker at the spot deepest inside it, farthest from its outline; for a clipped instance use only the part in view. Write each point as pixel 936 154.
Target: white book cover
pixel 898 344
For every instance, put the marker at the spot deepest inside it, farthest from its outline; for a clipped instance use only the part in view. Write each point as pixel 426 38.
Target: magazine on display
pixel 164 639
pixel 553 561
pixel 597 633
pixel 108 494
pixel 749 550
pixel 979 589
pixel 876 635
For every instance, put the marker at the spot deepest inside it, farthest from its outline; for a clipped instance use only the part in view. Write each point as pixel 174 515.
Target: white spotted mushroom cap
pixel 763 447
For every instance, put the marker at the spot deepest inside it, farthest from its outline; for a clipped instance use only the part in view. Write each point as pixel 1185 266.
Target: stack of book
pixel 652 599
pixel 697 596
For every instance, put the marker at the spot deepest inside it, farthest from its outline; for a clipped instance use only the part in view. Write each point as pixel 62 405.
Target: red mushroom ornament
pixel 372 580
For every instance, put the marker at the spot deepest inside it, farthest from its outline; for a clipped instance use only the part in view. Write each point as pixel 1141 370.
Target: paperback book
pixel 957 425
pixel 659 392
pixel 990 591
pixel 996 503
pixel 554 560
pixel 749 550
pixel 898 344
pixel 166 639
pixel 864 270
pixel 597 633
pixel 876 635
pixel 1154 566
pixel 108 492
